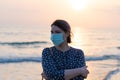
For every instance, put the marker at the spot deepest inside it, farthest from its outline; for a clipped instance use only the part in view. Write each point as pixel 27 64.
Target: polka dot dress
pixel 56 62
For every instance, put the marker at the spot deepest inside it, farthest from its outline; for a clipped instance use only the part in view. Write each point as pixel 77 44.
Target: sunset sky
pixel 84 13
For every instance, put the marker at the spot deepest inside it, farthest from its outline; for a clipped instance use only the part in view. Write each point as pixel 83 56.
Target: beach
pixel 21 50
pixel 32 71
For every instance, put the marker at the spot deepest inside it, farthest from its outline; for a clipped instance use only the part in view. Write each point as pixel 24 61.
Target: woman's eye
pixel 51 32
pixel 58 32
pixel 55 32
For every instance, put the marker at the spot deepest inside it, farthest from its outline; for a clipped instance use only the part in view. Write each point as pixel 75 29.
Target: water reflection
pixel 77 39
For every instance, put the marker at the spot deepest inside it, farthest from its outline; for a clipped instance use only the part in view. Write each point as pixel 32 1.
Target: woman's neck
pixel 63 47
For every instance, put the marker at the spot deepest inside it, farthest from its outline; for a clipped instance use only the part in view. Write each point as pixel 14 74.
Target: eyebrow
pixel 56 31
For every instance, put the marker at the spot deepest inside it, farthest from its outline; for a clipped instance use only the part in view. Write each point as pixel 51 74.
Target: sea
pixel 21 48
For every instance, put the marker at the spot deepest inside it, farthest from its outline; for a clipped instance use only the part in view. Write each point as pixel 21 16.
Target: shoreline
pixel 32 71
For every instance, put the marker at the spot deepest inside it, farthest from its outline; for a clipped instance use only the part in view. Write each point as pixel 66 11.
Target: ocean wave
pixel 38 59
pixel 104 57
pixel 20 59
pixel 118 47
pixel 24 44
pixel 111 73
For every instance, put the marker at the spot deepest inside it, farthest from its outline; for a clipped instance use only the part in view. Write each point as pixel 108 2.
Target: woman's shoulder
pixel 77 50
pixel 46 50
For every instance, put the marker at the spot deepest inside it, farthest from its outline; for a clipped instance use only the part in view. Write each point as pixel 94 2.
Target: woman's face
pixel 57 30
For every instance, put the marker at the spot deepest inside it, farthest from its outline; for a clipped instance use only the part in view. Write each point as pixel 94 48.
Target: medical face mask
pixel 57 39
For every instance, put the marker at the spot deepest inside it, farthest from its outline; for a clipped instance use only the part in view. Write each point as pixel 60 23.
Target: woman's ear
pixel 67 34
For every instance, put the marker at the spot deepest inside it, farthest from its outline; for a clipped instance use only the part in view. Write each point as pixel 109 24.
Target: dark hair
pixel 62 24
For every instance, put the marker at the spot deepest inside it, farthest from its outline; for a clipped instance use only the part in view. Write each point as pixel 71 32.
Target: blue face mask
pixel 57 39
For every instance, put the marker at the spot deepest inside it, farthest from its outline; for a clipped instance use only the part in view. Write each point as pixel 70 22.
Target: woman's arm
pixel 71 73
pixel 81 63
pixel 49 67
pixel 52 72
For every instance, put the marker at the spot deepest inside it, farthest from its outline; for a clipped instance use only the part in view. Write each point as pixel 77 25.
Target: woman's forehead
pixel 55 28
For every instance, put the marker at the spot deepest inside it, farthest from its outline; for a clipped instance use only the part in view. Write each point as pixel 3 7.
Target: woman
pixel 63 62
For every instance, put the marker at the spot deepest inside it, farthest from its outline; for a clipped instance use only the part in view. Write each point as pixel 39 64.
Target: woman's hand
pixel 84 72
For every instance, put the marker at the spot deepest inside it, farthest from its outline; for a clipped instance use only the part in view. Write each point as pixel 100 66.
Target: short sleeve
pixel 81 58
pixel 49 66
pixel 80 62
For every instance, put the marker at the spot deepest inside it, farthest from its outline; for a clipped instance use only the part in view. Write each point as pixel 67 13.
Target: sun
pixel 78 4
